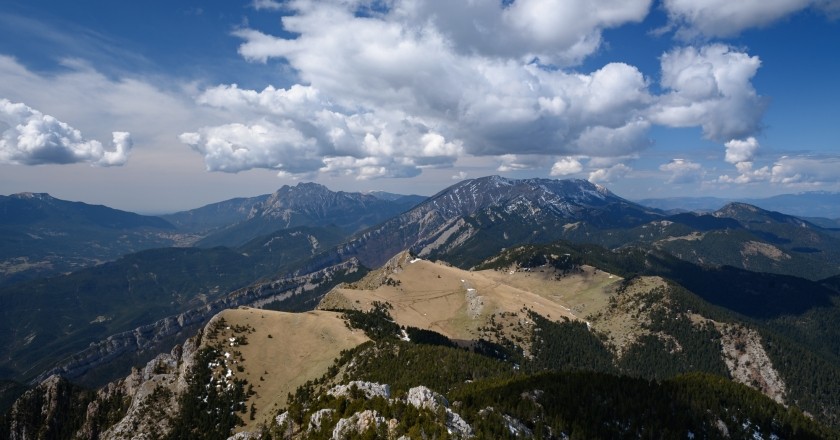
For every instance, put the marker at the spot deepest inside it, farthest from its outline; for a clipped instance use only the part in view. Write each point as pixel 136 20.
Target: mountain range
pixel 491 276
pixel 812 204
pixel 43 236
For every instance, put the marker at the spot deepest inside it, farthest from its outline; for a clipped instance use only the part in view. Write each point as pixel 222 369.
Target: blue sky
pixel 160 106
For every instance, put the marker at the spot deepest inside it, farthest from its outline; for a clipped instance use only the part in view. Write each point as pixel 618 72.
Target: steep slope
pixel 490 213
pixel 765 241
pixel 737 235
pixel 754 317
pixel 306 204
pixel 528 375
pixel 256 357
pixel 45 321
pixel 215 216
pixel 41 235
pixel 640 319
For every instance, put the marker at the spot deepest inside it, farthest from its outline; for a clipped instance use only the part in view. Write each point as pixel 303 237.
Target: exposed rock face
pixel 748 362
pixel 140 404
pixel 39 403
pixel 424 398
pixel 154 392
pixel 244 436
pixel 317 419
pixel 357 423
pixel 370 389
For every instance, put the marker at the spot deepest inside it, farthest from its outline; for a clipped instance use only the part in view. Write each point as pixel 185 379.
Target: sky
pixel 161 106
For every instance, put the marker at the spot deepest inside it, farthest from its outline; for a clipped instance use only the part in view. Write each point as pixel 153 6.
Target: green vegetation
pixel 57 410
pixel 45 321
pixel 795 317
pixel 211 407
pixel 493 398
pixel 583 405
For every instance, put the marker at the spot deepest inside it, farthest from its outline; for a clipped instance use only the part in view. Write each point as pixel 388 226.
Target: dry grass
pixel 456 303
pixel 624 322
pixel 302 347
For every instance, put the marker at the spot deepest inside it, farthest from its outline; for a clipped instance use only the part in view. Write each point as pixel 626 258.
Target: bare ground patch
pixel 283 351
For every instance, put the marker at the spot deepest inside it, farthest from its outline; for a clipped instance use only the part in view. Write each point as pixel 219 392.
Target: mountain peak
pixel 32 196
pixel 740 210
pixel 746 213
pixel 561 196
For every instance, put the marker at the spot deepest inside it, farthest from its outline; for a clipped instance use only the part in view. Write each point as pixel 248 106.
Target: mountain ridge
pixel 305 204
pixel 42 235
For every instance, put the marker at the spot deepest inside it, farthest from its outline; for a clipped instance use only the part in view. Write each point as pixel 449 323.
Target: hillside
pixel 41 235
pixel 451 301
pixel 482 216
pixel 525 375
pixel 472 295
pixel 215 216
pixel 278 352
pixel 46 321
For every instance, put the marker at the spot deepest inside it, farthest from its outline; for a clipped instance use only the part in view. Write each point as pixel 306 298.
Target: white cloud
pixel 683 171
pixel 554 31
pixel 30 137
pixel 806 170
pixel 297 131
pixel 370 167
pixel 514 162
pixel 710 87
pixel 238 147
pixel 747 174
pixel 92 102
pixel 789 171
pixel 741 150
pixel 723 18
pixel 566 166
pixel 427 82
pixel 609 175
pixel 416 65
pixel 609 141
pixel 271 5
pixel 460 176
pixel 571 27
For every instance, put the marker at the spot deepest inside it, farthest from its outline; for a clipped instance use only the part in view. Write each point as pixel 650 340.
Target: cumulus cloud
pixel 566 166
pixel 710 87
pixel 424 83
pixel 559 32
pixel 741 150
pixel 722 18
pixel 514 162
pixel 747 174
pixel 609 175
pixel 297 131
pixel 30 137
pixel 789 171
pixel 682 171
pixel 741 154
pixel 806 170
